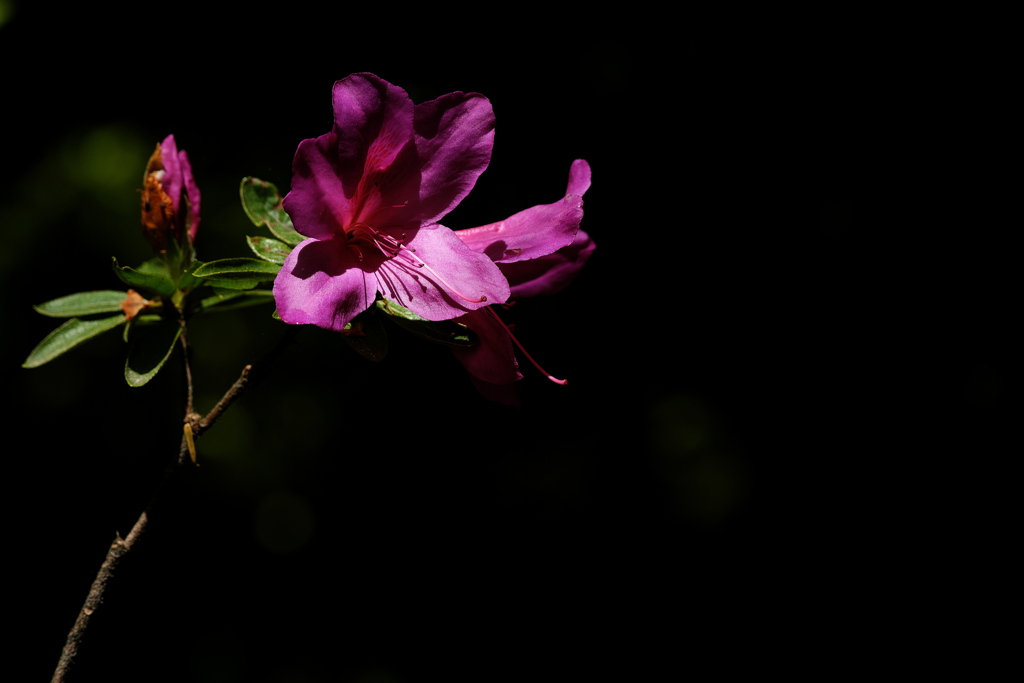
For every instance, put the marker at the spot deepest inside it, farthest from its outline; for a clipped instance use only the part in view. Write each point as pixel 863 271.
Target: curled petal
pixel 579 178
pixel 537 231
pixel 549 274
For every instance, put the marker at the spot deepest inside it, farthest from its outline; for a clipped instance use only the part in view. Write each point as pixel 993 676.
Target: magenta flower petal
pixel 171 200
pixel 371 190
pixel 442 278
pixel 192 197
pixel 322 285
pixel 454 137
pixel 549 274
pixel 181 186
pixel 537 231
pixel 172 180
pixel 579 178
pixel 317 200
pixel 493 359
pixel 540 251
pixel 372 121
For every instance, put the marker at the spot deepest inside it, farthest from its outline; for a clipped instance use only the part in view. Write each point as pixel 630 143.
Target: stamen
pixel 393 247
pixel 526 353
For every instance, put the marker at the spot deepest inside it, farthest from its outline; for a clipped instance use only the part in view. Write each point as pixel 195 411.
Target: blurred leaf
pixel 367 336
pixel 69 335
pixel 238 283
pixel 262 203
pixel 269 249
pixel 154 266
pixel 440 331
pixel 230 299
pixel 150 281
pixel 188 281
pixel 83 303
pixel 149 350
pixel 238 268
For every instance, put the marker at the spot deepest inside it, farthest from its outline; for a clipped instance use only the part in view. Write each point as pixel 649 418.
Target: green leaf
pixel 69 335
pixel 262 203
pixel 149 350
pixel 269 249
pixel 230 299
pixel 397 310
pixel 237 273
pixel 83 303
pixel 367 337
pixel 154 266
pixel 440 331
pixel 238 269
pixel 153 282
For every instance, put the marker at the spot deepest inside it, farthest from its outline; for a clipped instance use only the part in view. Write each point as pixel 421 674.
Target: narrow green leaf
pixel 262 203
pixel 440 331
pixel 83 303
pixel 367 337
pixel 269 249
pixel 149 350
pixel 238 268
pixel 152 282
pixel 69 335
pixel 237 273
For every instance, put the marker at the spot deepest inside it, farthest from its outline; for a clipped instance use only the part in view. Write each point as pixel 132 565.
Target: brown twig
pixel 120 547
pixel 224 403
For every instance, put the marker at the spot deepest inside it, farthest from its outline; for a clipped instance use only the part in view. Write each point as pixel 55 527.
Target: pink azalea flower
pixel 540 251
pixel 368 196
pixel 170 197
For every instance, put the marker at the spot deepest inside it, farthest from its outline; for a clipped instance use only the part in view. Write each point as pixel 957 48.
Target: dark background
pixel 698 498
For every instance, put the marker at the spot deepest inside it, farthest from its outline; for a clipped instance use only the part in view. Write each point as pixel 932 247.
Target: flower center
pixel 361 236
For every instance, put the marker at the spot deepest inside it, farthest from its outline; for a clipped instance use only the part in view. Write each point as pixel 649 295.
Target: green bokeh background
pixel 381 523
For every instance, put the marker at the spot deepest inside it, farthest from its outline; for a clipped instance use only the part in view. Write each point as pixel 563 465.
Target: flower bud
pixel 170 199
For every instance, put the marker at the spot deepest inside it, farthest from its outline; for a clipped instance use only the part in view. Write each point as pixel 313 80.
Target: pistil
pixel 526 353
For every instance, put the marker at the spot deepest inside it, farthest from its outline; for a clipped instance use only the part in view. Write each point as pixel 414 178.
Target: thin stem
pixel 225 402
pixel 120 547
pixel 189 410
